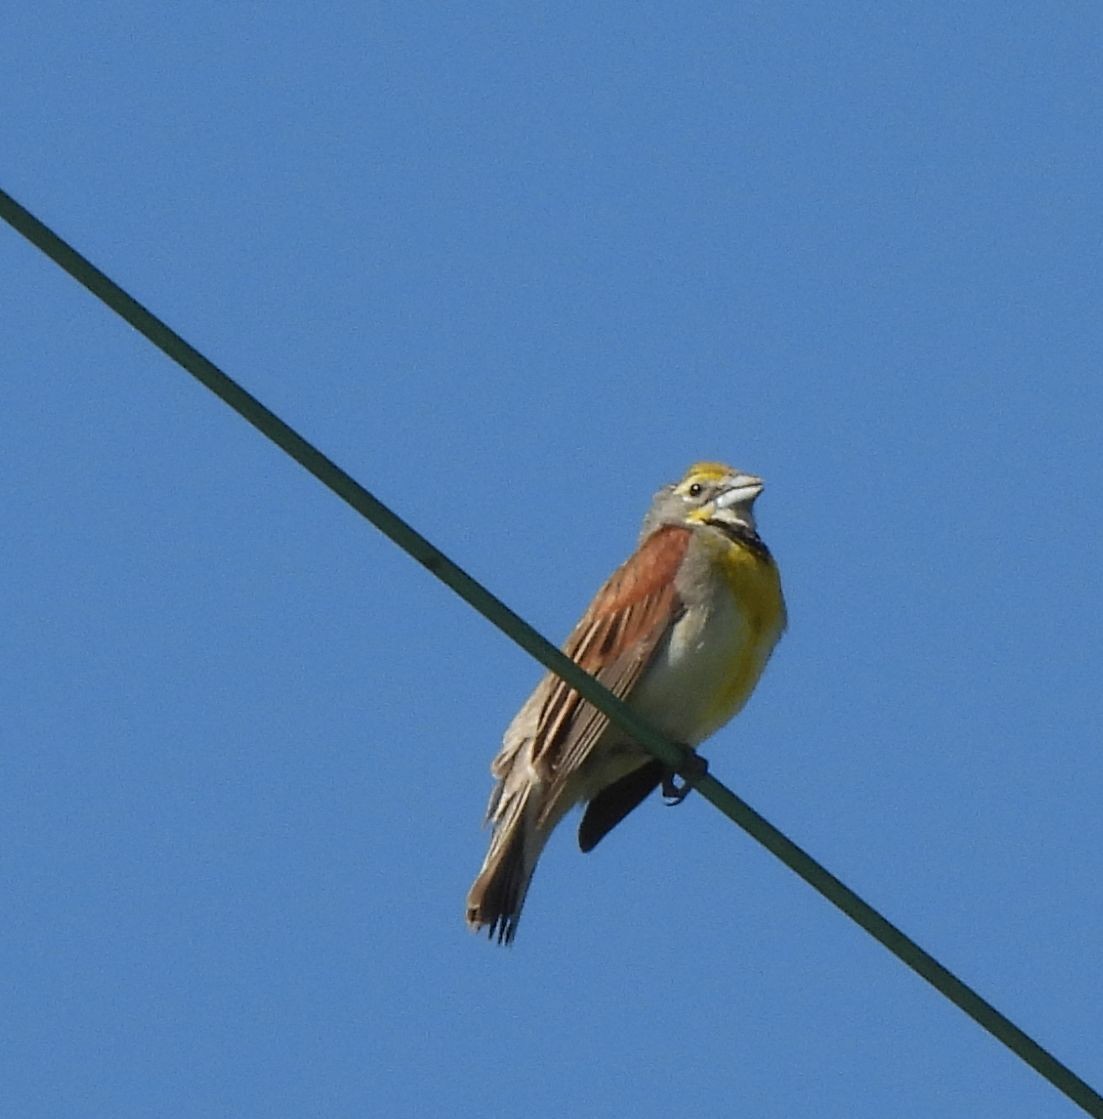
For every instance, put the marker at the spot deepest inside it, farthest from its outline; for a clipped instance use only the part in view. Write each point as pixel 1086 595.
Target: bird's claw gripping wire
pixel 692 770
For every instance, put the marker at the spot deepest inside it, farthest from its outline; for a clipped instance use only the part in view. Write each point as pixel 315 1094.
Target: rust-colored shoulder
pixel 649 570
pixel 614 641
pixel 637 598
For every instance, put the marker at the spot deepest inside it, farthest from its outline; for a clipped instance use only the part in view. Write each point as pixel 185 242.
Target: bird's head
pixel 710 493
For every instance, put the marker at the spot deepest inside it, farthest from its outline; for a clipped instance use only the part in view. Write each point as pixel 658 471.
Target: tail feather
pixel 615 801
pixel 498 894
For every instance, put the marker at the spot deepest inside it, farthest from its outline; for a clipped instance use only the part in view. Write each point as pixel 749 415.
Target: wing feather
pixel 614 641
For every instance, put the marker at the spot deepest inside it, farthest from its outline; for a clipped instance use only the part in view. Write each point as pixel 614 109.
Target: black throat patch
pixel 741 534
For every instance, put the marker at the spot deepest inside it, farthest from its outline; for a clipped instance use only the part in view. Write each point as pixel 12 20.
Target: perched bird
pixel 681 632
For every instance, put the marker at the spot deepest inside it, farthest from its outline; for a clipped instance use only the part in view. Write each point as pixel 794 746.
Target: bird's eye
pixel 696 489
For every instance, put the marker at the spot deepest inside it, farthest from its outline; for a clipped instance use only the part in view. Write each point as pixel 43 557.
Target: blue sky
pixel 514 267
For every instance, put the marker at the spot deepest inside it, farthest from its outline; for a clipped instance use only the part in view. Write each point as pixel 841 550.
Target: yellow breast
pixel 715 653
pixel 755 587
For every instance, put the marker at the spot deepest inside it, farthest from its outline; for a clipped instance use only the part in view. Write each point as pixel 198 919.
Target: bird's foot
pixel 693 769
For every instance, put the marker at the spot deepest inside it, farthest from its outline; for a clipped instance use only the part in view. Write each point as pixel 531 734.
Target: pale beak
pixel 744 488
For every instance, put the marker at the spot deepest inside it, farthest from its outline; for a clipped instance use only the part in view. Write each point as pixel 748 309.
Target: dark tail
pixel 615 801
pixel 495 900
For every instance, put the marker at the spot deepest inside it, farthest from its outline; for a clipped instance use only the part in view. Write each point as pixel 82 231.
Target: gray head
pixel 710 491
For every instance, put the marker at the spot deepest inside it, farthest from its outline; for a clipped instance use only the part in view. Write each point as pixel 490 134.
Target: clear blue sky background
pixel 515 266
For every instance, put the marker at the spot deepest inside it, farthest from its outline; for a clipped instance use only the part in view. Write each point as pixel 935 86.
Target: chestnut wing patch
pixel 614 642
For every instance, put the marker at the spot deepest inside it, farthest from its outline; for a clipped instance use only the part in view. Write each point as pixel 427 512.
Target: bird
pixel 681 632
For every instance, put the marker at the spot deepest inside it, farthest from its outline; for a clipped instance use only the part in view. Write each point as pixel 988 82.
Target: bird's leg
pixel 693 768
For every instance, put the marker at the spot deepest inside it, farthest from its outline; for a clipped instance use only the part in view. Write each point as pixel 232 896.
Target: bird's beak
pixel 744 488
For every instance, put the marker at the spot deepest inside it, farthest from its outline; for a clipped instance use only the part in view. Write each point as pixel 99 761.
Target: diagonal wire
pixel 516 628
